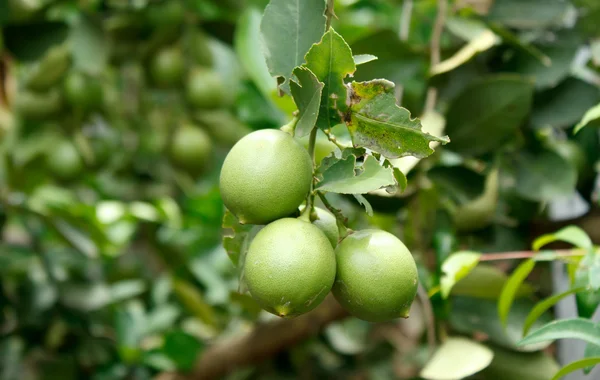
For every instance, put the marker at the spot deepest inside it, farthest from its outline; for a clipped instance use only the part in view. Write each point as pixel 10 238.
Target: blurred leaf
pixel 307 95
pixel 345 177
pixel 289 29
pixel 76 238
pixel 192 299
pixel 544 176
pixel 233 236
pixel 226 65
pixel 510 289
pixel 360 59
pixel 90 49
pixel 129 322
pixel 217 289
pixel 182 348
pixel 528 14
pixel 510 365
pixel 365 203
pixel 479 212
pixel 456 267
pixel 248 46
pixel 29 42
pixel 160 319
pixel 488 111
pixel 576 365
pixel 348 336
pixel 544 305
pixel 570 234
pixel 331 61
pixel 484 41
pixel 47 71
pixel 591 351
pixel 12 350
pixel 379 124
pixel 85 297
pixel 125 289
pixel 589 118
pixel 562 106
pixel 575 328
pixel 480 316
pixel 457 358
pixel 486 281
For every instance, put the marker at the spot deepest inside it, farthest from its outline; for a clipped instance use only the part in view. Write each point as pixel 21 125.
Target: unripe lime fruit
pixel 265 176
pixel 326 222
pixel 167 67
pixel 83 92
pixel 190 148
pixel 206 90
pixel 290 267
pixel 376 276
pixel 64 161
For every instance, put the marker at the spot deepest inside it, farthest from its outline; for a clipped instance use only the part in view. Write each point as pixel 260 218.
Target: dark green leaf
pixel 544 176
pixel 182 348
pixel 488 111
pixel 575 328
pixel 29 42
pixel 377 123
pixel 331 61
pixel 510 365
pixel 307 96
pixel 528 14
pixel 289 28
pixel 510 289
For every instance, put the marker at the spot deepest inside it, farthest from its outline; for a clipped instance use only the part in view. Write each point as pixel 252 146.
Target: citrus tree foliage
pixel 115 118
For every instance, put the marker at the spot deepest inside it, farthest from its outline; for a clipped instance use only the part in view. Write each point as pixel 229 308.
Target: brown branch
pixel 263 342
pixel 436 37
pixel 529 254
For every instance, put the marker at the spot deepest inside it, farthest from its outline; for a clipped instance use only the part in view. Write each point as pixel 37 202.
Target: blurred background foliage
pixel 115 116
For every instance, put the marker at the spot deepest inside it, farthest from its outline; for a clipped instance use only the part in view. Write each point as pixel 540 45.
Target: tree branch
pixel 263 342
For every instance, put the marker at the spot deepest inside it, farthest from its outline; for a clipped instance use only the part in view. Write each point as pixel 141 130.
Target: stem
pixel 436 36
pixel 310 200
pixel 429 318
pixel 529 254
pixel 342 221
pixel 332 138
pixel 329 13
pixel 403 32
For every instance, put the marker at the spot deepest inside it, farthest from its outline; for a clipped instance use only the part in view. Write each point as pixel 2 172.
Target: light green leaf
pixel 591 351
pixel 544 175
pixel 457 358
pixel 510 289
pixel 544 305
pixel 379 124
pixel 365 203
pixel 289 28
pixel 591 116
pixel 359 59
pixel 528 14
pixel 502 104
pixel 575 328
pixel 90 48
pixel 456 267
pixel 570 234
pixel 234 234
pixel 484 41
pixel 331 61
pixel 574 366
pixel 248 46
pixel 341 176
pixel 307 95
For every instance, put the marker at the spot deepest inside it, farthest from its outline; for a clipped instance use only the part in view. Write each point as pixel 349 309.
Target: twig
pixel 329 13
pixel 529 254
pixel 403 32
pixel 310 199
pixel 336 212
pixel 436 37
pixel 429 317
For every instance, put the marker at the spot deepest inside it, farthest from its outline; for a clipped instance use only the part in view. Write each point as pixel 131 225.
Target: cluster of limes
pixel 292 264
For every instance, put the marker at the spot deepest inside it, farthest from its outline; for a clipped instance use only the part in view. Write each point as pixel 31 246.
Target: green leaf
pixel 590 118
pixel 479 212
pixel 544 305
pixel 234 234
pixel 587 302
pixel 510 289
pixel 350 336
pixel 49 70
pixel 307 96
pixel 365 203
pixel 30 41
pixel 574 366
pixel 360 59
pixel 457 358
pixel 90 48
pixel 182 348
pixel 544 175
pixel 480 316
pixel 377 123
pixel 247 44
pixel 289 28
pixel 528 14
pixel 345 177
pixel 570 234
pixel 511 365
pixel 193 301
pixel 455 268
pixel 482 42
pixel 562 106
pixel 331 61
pixel 486 281
pixel 591 351
pixel 488 111
pixel 575 328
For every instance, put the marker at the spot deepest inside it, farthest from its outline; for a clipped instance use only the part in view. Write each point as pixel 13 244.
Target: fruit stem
pixel 329 13
pixel 340 218
pixel 290 127
pixel 310 200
